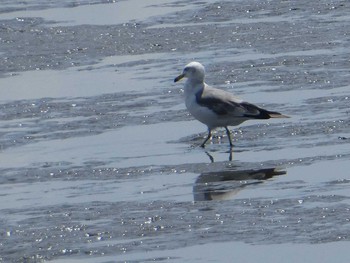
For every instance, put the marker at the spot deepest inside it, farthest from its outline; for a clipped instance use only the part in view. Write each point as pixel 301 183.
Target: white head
pixel 194 71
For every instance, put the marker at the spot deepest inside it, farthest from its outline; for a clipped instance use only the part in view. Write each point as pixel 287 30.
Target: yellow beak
pixel 179 77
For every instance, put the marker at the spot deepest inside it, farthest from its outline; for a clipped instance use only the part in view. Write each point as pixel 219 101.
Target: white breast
pixel 204 114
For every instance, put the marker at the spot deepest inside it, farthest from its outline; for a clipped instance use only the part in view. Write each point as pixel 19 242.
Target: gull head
pixel 194 71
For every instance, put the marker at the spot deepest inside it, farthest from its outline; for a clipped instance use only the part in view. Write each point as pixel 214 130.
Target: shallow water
pixel 100 159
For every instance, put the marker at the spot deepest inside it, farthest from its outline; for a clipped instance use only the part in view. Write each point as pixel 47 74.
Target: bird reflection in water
pixel 211 157
pixel 223 185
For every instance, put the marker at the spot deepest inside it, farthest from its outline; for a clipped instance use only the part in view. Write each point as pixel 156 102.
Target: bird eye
pixel 189 69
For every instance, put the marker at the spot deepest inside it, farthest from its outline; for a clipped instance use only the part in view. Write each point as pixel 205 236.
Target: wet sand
pixel 100 159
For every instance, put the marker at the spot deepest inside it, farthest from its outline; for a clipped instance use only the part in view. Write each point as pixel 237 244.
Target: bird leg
pixel 229 136
pixel 208 137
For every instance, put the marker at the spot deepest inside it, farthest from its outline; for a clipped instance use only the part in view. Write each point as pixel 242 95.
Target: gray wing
pixel 224 103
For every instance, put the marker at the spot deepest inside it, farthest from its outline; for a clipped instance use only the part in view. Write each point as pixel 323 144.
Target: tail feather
pixel 265 114
pixel 255 112
pixel 273 114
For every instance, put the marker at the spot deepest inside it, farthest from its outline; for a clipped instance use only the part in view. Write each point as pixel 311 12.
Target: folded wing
pixel 224 103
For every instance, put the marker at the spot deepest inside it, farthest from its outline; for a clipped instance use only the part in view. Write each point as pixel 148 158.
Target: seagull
pixel 214 107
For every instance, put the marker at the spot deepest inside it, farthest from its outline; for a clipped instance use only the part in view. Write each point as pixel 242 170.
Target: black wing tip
pixel 265 114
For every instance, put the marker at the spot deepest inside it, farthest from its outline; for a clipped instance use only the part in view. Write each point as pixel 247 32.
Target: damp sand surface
pixel 99 159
